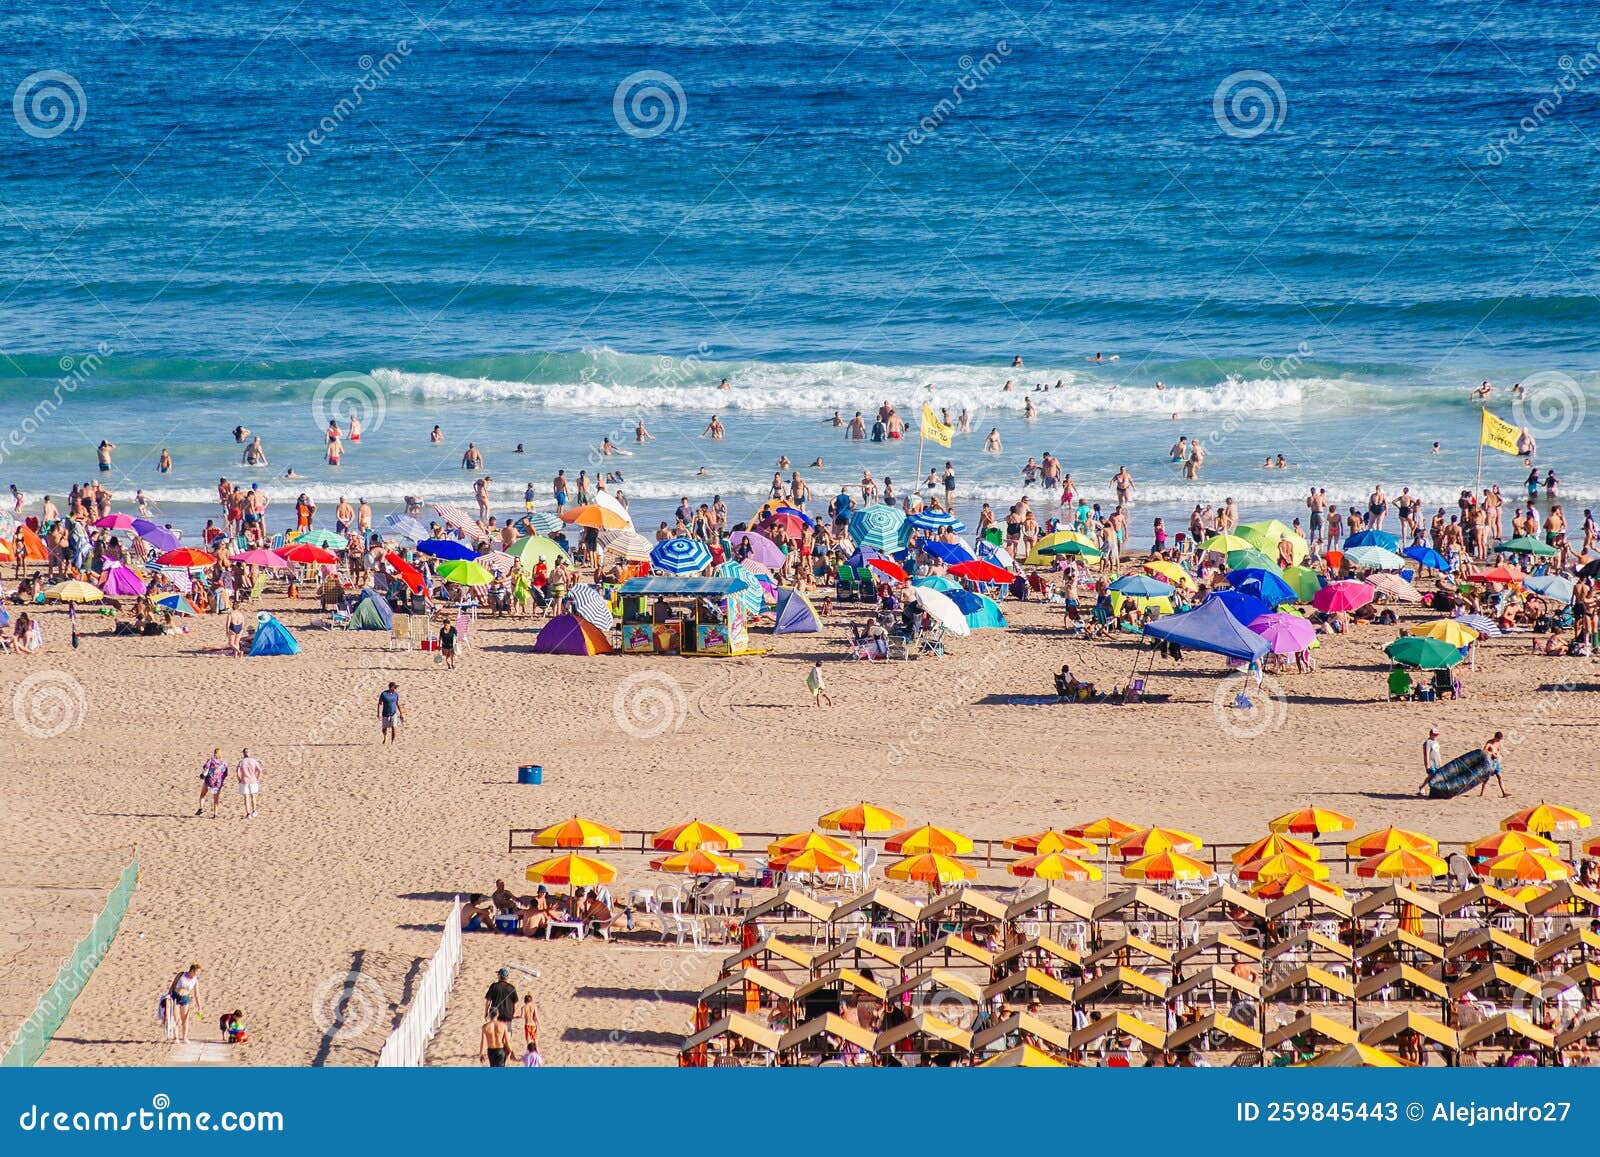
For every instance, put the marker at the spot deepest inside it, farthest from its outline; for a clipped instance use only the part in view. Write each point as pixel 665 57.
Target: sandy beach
pixel 358 849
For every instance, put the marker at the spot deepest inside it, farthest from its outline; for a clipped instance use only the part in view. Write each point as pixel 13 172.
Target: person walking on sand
pixel 1431 759
pixel 530 1023
pixel 248 769
pixel 212 776
pixel 815 684
pixel 236 632
pixel 184 993
pixel 447 646
pixel 389 715
pixel 1491 748
pixel 494 1043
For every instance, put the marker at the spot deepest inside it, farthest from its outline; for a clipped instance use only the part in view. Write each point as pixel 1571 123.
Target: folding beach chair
pixel 399 634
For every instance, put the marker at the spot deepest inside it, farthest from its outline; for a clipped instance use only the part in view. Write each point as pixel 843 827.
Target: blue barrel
pixel 533 773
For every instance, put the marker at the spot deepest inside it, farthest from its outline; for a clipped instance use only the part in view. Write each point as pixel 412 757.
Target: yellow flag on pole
pixel 1499 435
pixel 933 428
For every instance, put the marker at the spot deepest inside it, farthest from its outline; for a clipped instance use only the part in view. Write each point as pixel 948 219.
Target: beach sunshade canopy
pixel 1142 586
pixel 810 841
pixel 571 635
pixel 1276 844
pixel 572 870
pixel 768 553
pixel 863 818
pixel 74 591
pixel 577 833
pixel 1148 841
pixel 1551 586
pixel 186 557
pixel 1285 634
pixel 1050 840
pixel 1347 595
pixel 693 834
pixel 931 868
pixel 1390 840
pixel 1427 654
pixel 1209 627
pixel 943 609
pixel 371 612
pixel 1402 864
pixel 1381 539
pixel 795 615
pixel 465 573
pixel 121 580
pixel 536 548
pixel 1054 866
pixel 304 552
pixel 1503 842
pixel 1524 865
pixel 1525 544
pixel 1546 817
pixel 928 838
pixel 698 862
pixel 1105 830
pixel 1172 573
pixel 1451 632
pixel 272 638
pixel 879 526
pixel 1312 821
pixel 1281 866
pixel 680 556
pixel 1168 866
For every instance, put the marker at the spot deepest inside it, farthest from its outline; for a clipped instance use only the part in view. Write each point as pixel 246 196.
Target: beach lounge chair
pixel 1399 683
pixel 399 634
pixel 1444 683
pixel 931 642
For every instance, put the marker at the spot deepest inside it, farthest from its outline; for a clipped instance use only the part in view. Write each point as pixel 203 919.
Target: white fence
pixel 408 1043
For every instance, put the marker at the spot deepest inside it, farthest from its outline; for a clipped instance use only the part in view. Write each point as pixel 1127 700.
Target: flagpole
pixel 1478 488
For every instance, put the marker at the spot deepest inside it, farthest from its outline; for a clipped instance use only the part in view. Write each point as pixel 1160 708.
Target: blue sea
pixel 1318 225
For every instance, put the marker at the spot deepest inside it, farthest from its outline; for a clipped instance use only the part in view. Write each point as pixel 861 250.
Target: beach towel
pixel 1461 774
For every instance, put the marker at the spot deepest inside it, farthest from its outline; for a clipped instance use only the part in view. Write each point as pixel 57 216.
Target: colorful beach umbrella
pixel 931 868
pixel 1286 634
pixel 982 572
pixel 1346 595
pixel 680 556
pixel 114 522
pixel 572 870
pixel 1148 841
pixel 1266 585
pixel 1168 866
pixel 74 591
pixel 1105 830
pixel 536 548
pixel 1142 587
pixel 577 833
pixel 1226 544
pixel 943 610
pixel 929 838
pixel 1504 842
pixel 862 817
pixel 1451 632
pixel 261 557
pixel 304 552
pixel 1274 845
pixel 1394 588
pixel 1172 573
pixel 1525 865
pixel 890 569
pixel 1424 653
pixel 1505 574
pixel 440 548
pixel 597 516
pixel 407 573
pixel 1546 817
pixel 407 526
pixel 121 580
pixel 626 543
pixel 810 841
pixel 1525 544
pixel 324 538
pixel 186 557
pixel 1427 558
pixel 176 605
pixel 591 606
pixel 1390 840
pixel 1050 840
pixel 814 861
pixel 1381 539
pixel 762 549
pixel 1483 624
pixel 1288 885
pixel 1551 586
pixel 1054 866
pixel 879 526
pixel 1312 821
pixel 465 573
pixel 542 522
pixel 155 534
pixel 1304 581
pixel 692 834
pixel 698 862
pixel 1402 864
pixel 1281 866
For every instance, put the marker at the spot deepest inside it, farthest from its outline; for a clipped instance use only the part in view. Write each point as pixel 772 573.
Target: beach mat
pixel 1461 774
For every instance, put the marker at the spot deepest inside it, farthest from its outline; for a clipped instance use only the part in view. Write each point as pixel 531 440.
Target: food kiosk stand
pixel 683 615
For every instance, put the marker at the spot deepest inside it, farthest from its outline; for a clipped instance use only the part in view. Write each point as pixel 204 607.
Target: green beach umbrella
pixel 528 551
pixel 1304 581
pixel 1525 544
pixel 465 572
pixel 1252 558
pixel 325 539
pixel 1421 651
pixel 1265 537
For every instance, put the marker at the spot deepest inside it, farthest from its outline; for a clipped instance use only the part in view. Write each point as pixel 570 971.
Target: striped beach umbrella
pixel 929 838
pixel 699 862
pixel 543 522
pixel 407 527
pixel 862 817
pixel 458 518
pixel 1483 624
pixel 627 543
pixel 692 834
pixel 936 520
pixel 1050 840
pixel 592 606
pixel 1546 817
pixel 753 597
pixel 680 556
pixel 572 869
pixel 880 527
pixel 1054 866
pixel 578 833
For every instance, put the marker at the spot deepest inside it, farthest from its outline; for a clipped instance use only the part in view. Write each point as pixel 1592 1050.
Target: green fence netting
pixel 34 1036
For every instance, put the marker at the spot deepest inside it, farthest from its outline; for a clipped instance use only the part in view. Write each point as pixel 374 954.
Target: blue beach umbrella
pixel 800 514
pixel 1142 586
pixel 948 553
pixel 590 604
pixel 1378 538
pixel 1264 585
pixel 981 613
pixel 1245 608
pixel 176 604
pixel 408 527
pixel 1551 586
pixel 446 549
pixel 680 556
pixel 939 582
pixel 879 526
pixel 1483 624
pixel 936 520
pixel 1427 558
pixel 752 597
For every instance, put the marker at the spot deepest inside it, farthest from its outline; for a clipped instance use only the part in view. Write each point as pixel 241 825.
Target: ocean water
pixel 1319 226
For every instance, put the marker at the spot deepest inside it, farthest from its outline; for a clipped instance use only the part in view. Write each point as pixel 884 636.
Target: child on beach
pixel 815 684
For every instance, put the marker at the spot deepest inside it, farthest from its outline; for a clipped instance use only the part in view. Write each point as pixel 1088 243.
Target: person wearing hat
pixel 500 1002
pixel 1431 758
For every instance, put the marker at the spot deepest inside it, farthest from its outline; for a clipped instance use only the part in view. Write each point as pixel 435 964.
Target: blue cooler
pixel 533 774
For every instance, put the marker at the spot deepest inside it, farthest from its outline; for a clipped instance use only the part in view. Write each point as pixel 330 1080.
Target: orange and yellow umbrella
pixel 929 838
pixel 1592 848
pixel 931 868
pixel 1503 843
pixel 1391 840
pixel 810 841
pixel 1152 840
pixel 1312 821
pixel 1402 864
pixel 1287 885
pixel 862 817
pixel 693 834
pixel 595 517
pixel 1054 866
pixel 698 862
pixel 1546 817
pixel 1280 867
pixel 1169 865
pixel 1524 866
pixel 1050 840
pixel 1105 830
pixel 1277 845
pixel 577 833
pixel 820 861
pixel 578 871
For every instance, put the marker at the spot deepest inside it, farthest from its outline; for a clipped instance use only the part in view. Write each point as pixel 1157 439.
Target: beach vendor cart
pixel 684 615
